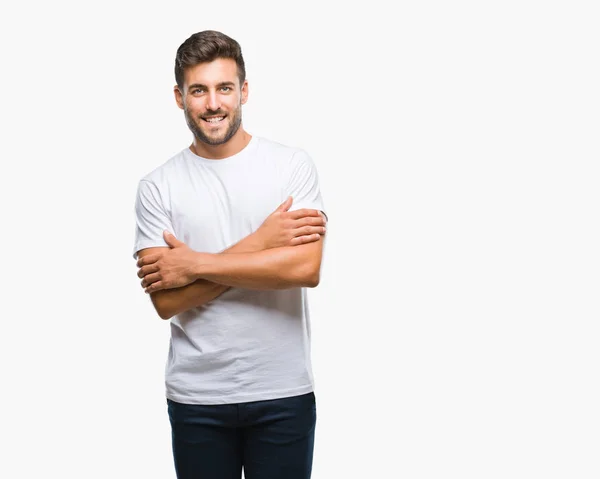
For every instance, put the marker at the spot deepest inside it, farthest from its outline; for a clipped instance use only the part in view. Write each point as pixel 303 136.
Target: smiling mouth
pixel 214 120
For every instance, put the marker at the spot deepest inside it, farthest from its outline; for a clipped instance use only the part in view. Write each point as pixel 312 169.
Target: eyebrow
pixel 200 85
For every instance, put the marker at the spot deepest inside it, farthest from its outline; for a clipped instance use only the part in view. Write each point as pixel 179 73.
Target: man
pixel 230 232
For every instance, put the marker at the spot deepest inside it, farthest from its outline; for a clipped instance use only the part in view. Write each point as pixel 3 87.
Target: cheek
pixel 194 104
pixel 195 111
pixel 233 103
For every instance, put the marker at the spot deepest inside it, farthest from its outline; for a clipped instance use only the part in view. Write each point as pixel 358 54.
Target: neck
pixel 236 143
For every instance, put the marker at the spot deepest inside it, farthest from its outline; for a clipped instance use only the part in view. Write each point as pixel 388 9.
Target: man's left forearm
pixel 275 268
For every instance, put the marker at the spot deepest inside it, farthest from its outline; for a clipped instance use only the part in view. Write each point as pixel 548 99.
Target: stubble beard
pixel 200 135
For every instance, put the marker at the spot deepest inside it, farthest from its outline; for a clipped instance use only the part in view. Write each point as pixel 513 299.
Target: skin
pixel 285 252
pixel 280 229
pixel 212 90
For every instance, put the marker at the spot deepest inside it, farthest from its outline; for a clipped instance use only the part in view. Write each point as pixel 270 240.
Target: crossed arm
pixel 285 252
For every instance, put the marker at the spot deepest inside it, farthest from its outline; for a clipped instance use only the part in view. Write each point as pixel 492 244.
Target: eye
pixel 226 89
pixel 197 91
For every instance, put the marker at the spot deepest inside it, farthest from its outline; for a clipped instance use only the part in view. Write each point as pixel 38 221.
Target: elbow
pixel 164 314
pixel 162 307
pixel 310 276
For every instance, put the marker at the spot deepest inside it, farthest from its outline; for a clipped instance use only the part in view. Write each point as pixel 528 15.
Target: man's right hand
pixel 291 228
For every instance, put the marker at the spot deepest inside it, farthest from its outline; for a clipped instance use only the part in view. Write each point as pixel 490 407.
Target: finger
pixel 154 287
pixel 309 230
pixel 310 221
pixel 145 260
pixel 144 270
pixel 285 205
pixel 296 214
pixel 171 240
pixel 298 240
pixel 150 278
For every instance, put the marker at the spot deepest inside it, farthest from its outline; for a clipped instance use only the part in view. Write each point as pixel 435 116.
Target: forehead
pixel 212 73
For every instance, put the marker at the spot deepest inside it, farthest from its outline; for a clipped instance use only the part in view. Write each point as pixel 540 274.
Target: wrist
pixel 200 265
pixel 252 243
pixel 257 242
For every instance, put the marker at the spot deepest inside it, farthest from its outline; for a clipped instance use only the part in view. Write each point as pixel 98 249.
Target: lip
pixel 214 125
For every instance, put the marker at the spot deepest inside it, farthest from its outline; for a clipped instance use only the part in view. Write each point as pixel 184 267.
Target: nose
pixel 213 102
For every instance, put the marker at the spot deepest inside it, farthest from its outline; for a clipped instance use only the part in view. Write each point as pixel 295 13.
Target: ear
pixel 245 92
pixel 178 96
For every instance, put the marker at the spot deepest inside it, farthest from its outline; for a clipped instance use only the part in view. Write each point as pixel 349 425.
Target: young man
pixel 230 232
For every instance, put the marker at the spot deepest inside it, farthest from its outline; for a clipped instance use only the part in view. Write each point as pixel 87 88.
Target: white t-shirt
pixel 245 345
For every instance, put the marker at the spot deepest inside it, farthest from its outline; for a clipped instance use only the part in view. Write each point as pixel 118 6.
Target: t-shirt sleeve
pixel 303 184
pixel 151 219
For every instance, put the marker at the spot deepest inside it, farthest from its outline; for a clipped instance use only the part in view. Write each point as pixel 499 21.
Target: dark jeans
pixel 270 439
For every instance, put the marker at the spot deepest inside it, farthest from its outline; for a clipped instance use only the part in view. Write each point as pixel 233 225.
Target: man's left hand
pixel 171 269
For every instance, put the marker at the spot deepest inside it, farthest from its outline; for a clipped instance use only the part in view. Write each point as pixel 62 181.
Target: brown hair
pixel 207 46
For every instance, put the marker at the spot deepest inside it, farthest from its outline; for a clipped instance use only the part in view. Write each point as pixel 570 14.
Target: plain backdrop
pixel 455 329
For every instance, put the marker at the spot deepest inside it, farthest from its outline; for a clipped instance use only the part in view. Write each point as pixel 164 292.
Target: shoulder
pixel 287 155
pixel 160 175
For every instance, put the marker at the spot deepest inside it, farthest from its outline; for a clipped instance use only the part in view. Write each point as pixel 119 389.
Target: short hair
pixel 207 46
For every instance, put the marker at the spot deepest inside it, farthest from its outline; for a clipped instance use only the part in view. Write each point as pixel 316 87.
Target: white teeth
pixel 215 120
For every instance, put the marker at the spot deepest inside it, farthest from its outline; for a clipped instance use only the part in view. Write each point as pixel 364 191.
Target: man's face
pixel 212 100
